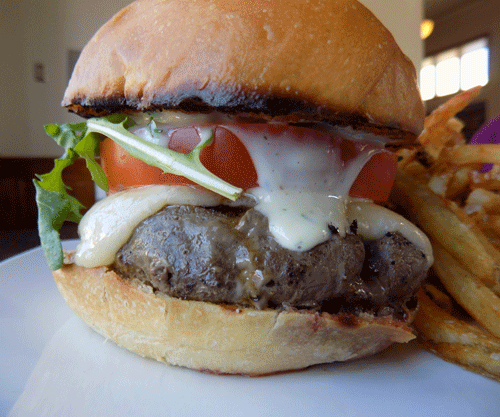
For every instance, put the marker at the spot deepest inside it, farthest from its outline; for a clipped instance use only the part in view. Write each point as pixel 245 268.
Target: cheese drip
pixel 303 190
pixel 107 226
pixel 373 222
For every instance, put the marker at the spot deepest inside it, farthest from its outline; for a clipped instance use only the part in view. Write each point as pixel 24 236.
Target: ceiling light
pixel 426 28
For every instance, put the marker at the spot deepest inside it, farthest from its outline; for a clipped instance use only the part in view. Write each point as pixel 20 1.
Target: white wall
pixel 44 30
pixel 14 133
pixel 41 31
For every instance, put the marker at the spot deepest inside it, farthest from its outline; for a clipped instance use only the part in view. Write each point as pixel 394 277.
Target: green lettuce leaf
pixel 56 205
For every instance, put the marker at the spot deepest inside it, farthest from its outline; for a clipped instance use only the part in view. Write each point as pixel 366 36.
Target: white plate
pixel 52 364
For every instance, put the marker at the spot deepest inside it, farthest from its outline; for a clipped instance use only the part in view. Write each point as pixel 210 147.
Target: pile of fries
pixel 441 188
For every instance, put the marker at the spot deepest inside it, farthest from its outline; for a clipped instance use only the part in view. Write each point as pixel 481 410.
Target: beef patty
pixel 227 255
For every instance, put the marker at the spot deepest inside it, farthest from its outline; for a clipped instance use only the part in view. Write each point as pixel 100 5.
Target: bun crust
pixel 218 338
pixel 318 60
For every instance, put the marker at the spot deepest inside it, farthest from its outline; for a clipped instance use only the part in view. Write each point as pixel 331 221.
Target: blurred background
pixel 41 39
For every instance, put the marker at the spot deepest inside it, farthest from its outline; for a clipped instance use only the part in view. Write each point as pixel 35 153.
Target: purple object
pixel 488 133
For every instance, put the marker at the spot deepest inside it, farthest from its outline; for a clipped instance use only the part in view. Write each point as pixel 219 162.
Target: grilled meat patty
pixel 227 255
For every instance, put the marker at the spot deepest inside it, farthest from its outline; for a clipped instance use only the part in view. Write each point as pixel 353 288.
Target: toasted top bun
pixel 219 338
pixel 313 60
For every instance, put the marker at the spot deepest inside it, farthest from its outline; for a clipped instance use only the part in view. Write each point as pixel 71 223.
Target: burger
pixel 246 148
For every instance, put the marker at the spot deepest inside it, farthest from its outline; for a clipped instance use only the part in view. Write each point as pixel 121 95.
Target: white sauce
pixel 178 118
pixel 304 183
pixel 299 220
pixel 304 192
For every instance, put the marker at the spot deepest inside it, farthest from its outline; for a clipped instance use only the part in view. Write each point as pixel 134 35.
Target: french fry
pixel 488 181
pixel 435 144
pixel 443 226
pixel 443 327
pixel 474 358
pixel 476 214
pixel 491 234
pixel 439 298
pixel 486 245
pixel 445 112
pixel 415 168
pixel 491 229
pixel 486 199
pixel 494 223
pixel 457 341
pixel 435 123
pixel 456 125
pixel 460 182
pixel 441 188
pixel 439 184
pixel 472 154
pixel 479 301
pixel 405 156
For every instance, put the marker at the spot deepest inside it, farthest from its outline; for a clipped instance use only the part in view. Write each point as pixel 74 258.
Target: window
pixel 456 69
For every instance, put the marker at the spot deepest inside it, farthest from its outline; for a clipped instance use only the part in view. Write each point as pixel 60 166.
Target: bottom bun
pixel 219 338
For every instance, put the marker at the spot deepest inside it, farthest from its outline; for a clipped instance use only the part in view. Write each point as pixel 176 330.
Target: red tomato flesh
pixel 376 178
pixel 228 158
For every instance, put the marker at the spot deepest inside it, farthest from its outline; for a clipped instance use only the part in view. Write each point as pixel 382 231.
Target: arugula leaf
pixel 55 205
pixel 187 165
pixel 87 149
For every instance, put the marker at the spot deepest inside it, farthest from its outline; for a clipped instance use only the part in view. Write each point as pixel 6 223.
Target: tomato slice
pixel 228 158
pixel 376 178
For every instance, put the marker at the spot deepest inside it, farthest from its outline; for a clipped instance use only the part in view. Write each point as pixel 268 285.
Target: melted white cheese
pixel 108 225
pixel 374 222
pixel 304 192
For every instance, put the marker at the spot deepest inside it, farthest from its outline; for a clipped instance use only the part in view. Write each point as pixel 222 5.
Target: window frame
pixel 429 75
